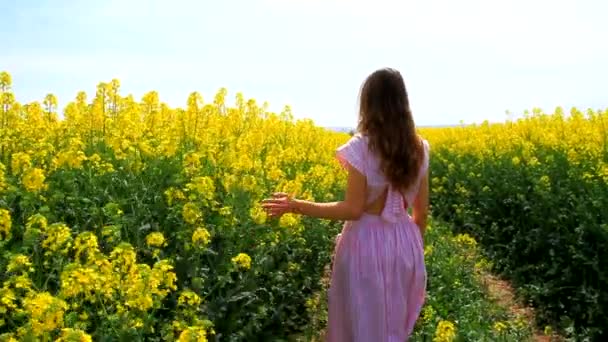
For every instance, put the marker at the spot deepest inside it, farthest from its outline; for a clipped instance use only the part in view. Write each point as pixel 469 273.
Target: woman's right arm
pixel 421 204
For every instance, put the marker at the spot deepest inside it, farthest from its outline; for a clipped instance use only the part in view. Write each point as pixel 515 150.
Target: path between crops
pixel 501 291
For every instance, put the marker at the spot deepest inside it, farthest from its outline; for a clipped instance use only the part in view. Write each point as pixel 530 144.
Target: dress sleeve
pixel 353 153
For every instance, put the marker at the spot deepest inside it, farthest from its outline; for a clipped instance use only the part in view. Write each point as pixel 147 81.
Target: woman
pixel 379 278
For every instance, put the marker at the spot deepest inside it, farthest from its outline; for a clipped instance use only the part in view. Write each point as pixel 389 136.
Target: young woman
pixel 379 277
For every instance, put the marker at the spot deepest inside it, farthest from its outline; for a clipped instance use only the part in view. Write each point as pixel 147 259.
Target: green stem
pixel 105 311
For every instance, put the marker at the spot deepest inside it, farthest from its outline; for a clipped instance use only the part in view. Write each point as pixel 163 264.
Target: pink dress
pixel 378 280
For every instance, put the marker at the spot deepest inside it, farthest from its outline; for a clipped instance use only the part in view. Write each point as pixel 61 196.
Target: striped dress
pixel 378 277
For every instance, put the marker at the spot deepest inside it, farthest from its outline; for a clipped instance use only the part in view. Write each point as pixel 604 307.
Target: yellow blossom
pixel 19 262
pixel 86 242
pixel 193 334
pixel 3 182
pixel 173 194
pixel 73 335
pixel 465 240
pixel 189 298
pixel 499 327
pixel 201 237
pixel 427 313
pixel 59 238
pixel 544 182
pixel 123 257
pixel 191 213
pixel 242 260
pixel 191 163
pixel 445 332
pixel 289 221
pixel 203 186
pixel 33 180
pixel 155 239
pixel 257 214
pixel 20 162
pixel 5 224
pixel 45 312
pixel 8 300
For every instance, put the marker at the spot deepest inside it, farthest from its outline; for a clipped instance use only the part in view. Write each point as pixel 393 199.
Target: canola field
pixel 125 219
pixel 534 193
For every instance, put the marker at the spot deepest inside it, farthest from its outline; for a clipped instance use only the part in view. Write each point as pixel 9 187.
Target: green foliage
pixel 537 204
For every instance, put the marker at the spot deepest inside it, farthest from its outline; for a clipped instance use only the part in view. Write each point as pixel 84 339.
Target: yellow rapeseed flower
pixel 76 158
pixel 33 180
pixel 45 312
pixel 162 271
pixel 59 238
pixel 446 332
pixel 192 163
pixel 289 221
pixel 5 224
pixel 105 168
pixel 20 282
pixel 8 300
pixel 499 327
pixel 201 237
pixel 465 240
pixel 86 242
pixel 73 335
pixel 172 194
pixel 257 214
pixel 242 261
pixel 81 280
pixel 3 182
pixel 20 162
pixel 123 257
pixel 203 186
pixel 193 334
pixel 19 262
pixel 191 213
pixel 155 239
pixel 189 298
pixel 427 313
pixel 544 182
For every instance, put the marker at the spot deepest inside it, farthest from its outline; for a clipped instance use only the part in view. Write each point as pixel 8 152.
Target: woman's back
pixel 379 189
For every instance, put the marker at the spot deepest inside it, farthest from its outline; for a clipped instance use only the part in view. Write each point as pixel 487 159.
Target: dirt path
pixel 498 289
pixel 503 293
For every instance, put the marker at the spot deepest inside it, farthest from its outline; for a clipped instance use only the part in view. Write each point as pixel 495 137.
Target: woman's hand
pixel 280 203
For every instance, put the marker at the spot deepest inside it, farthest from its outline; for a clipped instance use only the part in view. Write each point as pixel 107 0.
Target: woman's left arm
pixel 351 208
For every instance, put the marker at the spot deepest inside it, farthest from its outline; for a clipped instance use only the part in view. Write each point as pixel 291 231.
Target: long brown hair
pixel 386 119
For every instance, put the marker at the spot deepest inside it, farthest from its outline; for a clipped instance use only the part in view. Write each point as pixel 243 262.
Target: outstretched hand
pixel 280 203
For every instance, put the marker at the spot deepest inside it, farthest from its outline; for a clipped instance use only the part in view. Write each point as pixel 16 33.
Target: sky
pixel 462 61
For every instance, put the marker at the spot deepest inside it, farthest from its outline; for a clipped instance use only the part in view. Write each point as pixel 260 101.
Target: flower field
pixel 534 194
pixel 131 220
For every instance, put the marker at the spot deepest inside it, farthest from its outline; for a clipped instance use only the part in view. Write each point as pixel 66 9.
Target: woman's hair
pixel 385 117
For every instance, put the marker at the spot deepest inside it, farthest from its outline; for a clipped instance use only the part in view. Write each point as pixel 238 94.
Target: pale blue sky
pixel 464 60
